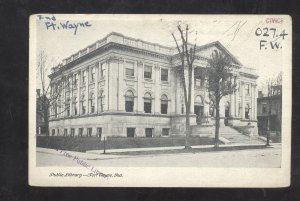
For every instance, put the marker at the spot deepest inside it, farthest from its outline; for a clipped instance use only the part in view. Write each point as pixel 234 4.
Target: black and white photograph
pixel 160 100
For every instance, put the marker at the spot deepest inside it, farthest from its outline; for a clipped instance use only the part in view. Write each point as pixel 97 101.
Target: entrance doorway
pixel 198 109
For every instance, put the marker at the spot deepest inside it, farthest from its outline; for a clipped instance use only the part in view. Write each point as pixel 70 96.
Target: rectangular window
pixel 164 74
pixel 129 69
pixel 264 108
pixel 165 132
pixel 93 74
pixel 129 104
pixel 80 132
pixel 198 82
pixel 58 131
pixel 84 77
pixel 164 107
pixel 75 83
pixel 65 132
pixel 99 132
pixel 89 132
pixel 148 72
pixel 130 132
pixel 102 71
pixel 148 132
pixel 53 132
pixel 147 105
pixel 72 132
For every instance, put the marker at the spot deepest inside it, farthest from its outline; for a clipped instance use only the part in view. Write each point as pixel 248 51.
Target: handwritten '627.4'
pixel 270 38
pixel 51 24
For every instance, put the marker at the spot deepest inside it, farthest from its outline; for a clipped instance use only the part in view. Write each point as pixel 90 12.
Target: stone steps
pixel 230 134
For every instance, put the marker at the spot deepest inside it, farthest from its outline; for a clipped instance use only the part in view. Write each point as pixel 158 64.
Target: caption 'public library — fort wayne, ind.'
pixel 121 86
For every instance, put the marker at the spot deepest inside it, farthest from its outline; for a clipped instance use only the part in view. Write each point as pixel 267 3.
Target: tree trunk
pixel 188 130
pixel 217 124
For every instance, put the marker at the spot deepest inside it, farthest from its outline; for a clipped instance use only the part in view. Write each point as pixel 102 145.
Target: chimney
pixel 260 94
pixel 38 92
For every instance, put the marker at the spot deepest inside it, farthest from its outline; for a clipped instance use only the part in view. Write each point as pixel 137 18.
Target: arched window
pixel 247 109
pixel 147 103
pixel 129 101
pixel 164 104
pixel 198 101
pixel 101 101
pixel 92 103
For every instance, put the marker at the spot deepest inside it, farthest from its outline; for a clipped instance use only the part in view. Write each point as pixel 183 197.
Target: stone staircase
pixel 230 134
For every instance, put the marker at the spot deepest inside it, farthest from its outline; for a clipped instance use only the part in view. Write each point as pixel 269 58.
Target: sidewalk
pixel 99 155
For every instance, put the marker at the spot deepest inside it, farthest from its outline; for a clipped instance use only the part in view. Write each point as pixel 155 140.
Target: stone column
pixel 140 95
pixel 192 92
pixel 113 72
pixel 178 94
pixel 173 83
pixel 254 103
pixel 243 100
pixel 121 92
pixel 222 111
pixel 231 111
pixel 71 95
pixel 78 93
pixel 157 90
pixel 96 88
pixel 106 87
pixel 87 91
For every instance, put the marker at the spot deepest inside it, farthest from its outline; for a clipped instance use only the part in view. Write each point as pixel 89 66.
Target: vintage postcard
pixel 160 100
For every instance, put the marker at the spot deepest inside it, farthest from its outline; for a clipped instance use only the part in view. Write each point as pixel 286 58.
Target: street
pixel 251 158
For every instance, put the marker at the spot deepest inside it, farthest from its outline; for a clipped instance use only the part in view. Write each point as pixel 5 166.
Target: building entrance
pixel 198 110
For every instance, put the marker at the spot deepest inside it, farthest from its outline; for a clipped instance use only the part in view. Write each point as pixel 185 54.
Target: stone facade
pixel 120 86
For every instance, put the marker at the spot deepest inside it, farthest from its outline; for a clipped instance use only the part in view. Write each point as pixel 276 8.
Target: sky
pixel 236 33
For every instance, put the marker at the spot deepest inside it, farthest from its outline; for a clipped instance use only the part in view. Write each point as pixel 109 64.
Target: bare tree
pixel 186 53
pixel 271 83
pixel 220 82
pixel 50 96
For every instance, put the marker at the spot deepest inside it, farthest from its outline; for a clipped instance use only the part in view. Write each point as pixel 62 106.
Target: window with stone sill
pixel 147 72
pixel 147 103
pixel 164 105
pixel 93 70
pixel 165 132
pixel 129 70
pixel 129 101
pixel 164 75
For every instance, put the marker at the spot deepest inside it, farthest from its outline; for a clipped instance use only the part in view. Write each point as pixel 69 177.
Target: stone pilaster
pixel 243 100
pixel 192 92
pixel 113 72
pixel 157 90
pixel 121 98
pixel 96 89
pixel 140 95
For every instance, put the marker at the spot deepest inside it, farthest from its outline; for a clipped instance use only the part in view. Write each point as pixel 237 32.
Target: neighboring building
pixel 121 86
pixel 40 123
pixel 265 104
